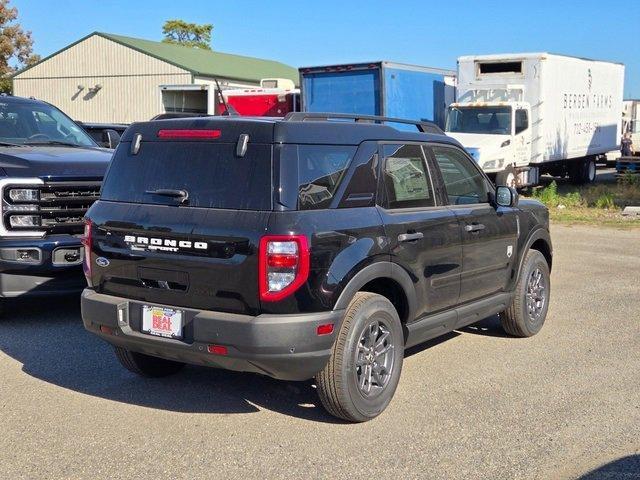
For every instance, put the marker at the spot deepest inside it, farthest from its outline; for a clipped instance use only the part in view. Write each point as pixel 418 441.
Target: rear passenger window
pixel 407 183
pixel 321 169
pixel 463 182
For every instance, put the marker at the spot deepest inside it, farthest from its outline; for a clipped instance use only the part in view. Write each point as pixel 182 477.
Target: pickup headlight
pixel 21 221
pixel 24 195
pixel 19 217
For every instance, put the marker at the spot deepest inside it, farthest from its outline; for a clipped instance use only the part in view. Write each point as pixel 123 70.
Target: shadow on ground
pixel 624 468
pixel 55 348
pixel 489 327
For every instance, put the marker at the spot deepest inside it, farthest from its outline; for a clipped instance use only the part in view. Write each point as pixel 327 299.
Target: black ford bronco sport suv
pixel 50 174
pixel 318 245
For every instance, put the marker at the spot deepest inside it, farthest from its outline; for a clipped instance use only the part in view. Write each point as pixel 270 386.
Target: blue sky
pixel 320 32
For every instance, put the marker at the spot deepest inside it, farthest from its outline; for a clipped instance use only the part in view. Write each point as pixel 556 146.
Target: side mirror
pixel 110 138
pixel 506 197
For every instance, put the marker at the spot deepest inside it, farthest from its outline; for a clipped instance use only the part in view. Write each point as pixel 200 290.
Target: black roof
pixel 282 130
pixel 5 98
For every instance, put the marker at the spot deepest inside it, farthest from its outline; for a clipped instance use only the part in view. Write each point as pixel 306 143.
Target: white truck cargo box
pixel 521 115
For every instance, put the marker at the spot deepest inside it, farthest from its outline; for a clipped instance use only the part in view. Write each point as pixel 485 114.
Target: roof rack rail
pixel 422 126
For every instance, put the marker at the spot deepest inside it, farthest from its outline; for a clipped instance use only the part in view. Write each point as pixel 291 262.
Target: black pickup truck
pixel 318 245
pixel 50 174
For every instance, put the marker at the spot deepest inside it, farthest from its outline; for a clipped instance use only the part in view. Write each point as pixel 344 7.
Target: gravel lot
pixel 474 404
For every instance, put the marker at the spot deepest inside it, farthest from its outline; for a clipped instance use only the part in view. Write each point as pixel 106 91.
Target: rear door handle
pixel 409 237
pixel 474 227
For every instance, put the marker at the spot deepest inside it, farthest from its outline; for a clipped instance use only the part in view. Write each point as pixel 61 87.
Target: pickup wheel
pixel 146 365
pixel 528 310
pixel 363 372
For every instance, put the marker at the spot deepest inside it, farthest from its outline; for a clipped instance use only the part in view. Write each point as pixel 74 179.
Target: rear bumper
pixel 54 266
pixel 286 347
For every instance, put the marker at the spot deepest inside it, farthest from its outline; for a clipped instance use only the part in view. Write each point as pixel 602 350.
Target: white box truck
pixel 631 122
pixel 523 115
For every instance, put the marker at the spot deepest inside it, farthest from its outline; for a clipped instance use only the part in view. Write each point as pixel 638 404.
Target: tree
pixel 16 45
pixel 189 34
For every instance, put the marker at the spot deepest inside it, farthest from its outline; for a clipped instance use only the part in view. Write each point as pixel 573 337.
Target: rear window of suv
pixel 211 174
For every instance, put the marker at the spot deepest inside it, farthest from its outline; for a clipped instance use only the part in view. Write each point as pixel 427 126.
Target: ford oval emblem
pixel 102 262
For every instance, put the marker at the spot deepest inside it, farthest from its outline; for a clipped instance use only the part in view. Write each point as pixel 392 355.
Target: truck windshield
pixel 37 123
pixel 489 120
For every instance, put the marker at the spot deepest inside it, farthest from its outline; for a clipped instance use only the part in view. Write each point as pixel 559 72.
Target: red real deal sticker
pixel 162 322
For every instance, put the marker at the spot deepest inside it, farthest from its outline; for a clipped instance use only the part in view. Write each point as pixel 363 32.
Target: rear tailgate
pixel 198 249
pixel 151 255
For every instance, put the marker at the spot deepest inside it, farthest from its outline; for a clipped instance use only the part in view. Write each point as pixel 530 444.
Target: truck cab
pixel 496 134
pixel 50 173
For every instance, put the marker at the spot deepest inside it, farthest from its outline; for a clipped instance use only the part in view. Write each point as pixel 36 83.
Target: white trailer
pixel 523 115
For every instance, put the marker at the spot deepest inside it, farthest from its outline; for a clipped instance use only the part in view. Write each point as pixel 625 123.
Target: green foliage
pixel 629 180
pixel 605 200
pixel 16 45
pixel 188 34
pixel 548 195
pixel 551 198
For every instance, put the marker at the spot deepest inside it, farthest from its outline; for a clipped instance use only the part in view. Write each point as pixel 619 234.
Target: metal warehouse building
pixel 111 78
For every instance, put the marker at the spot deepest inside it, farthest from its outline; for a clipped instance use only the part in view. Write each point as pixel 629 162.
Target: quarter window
pixel 406 180
pixel 321 169
pixel 463 182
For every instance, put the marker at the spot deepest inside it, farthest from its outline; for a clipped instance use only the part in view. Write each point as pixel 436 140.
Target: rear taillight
pixel 284 265
pixel 86 241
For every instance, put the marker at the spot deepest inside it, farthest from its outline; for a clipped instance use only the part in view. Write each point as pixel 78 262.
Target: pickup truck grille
pixel 59 208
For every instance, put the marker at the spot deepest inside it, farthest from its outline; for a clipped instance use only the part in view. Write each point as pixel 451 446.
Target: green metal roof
pixel 205 63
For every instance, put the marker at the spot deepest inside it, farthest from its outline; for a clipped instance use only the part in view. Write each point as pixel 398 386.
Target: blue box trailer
pixel 379 88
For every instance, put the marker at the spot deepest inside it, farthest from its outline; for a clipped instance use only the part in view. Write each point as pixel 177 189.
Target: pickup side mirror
pixel 110 138
pixel 506 197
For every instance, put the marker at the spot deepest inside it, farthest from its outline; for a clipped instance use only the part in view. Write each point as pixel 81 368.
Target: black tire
pixel 338 383
pixel 516 320
pixel 576 172
pixel 583 171
pixel 590 170
pixel 146 365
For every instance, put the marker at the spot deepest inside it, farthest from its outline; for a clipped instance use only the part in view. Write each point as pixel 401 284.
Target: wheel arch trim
pixel 376 271
pixel 538 234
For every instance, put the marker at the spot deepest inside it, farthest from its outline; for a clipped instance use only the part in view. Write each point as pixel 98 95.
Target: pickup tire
pixel 146 365
pixel 363 372
pixel 528 310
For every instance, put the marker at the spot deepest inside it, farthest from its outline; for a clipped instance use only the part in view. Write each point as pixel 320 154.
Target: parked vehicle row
pixel 519 115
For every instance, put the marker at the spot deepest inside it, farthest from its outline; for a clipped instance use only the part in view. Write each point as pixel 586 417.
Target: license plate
pixel 162 322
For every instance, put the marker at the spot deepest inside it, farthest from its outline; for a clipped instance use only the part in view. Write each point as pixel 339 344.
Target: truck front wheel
pixel 363 372
pixel 507 178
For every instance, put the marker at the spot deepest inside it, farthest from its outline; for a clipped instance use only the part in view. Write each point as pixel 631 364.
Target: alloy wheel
pixel 374 360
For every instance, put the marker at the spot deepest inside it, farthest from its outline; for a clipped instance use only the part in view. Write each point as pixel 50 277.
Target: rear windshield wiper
pixel 183 195
pixel 55 142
